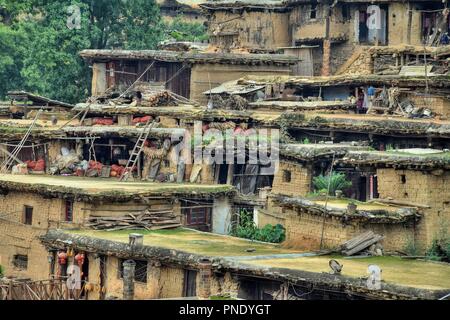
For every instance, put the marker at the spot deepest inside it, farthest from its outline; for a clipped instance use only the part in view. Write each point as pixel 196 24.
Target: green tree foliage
pixel 10 64
pixel 440 247
pixel 40 52
pixel 338 182
pixel 248 230
pixel 187 31
pixel 1 271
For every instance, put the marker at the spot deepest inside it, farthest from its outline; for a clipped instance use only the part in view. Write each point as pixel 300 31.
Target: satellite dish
pixel 335 266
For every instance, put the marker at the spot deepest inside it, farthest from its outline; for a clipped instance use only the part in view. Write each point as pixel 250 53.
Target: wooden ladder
pixel 137 150
pixel 6 165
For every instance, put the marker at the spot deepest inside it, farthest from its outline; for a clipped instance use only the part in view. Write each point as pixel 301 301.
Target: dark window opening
pixel 69 211
pixel 257 289
pixel 287 176
pixel 345 12
pixel 140 271
pixel 403 178
pixel 103 278
pixel 313 13
pixel 190 283
pixel 375 193
pixel 20 261
pixel 223 174
pixel 85 276
pixel 166 163
pixel 362 189
pixel 28 215
pixel 363 29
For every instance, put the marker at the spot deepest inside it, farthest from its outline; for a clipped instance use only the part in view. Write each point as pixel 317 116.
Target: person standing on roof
pixel 371 95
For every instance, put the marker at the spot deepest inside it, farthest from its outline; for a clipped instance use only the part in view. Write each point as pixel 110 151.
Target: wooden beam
pixel 10 155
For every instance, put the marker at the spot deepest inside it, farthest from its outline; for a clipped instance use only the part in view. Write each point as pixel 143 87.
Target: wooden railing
pixel 53 289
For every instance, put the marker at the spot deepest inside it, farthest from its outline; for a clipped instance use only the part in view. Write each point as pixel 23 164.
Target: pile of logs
pixel 360 243
pixel 150 219
pixel 155 99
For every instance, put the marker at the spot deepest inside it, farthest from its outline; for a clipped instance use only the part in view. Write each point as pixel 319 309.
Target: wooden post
pixel 326 43
pixel 230 174
pixel 129 267
pixel 408 29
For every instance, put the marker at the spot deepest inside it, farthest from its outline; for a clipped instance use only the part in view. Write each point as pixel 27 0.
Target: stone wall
pixel 360 62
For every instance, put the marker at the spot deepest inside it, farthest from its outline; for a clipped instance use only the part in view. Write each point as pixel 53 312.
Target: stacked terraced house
pixel 302 154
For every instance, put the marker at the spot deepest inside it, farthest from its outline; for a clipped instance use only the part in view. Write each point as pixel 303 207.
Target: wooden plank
pixel 363 245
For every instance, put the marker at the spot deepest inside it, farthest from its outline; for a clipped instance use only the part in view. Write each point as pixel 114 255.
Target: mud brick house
pixel 187 74
pixel 323 109
pixel 325 34
pixel 399 194
pixel 413 177
pixel 187 10
pixel 32 205
pixel 182 263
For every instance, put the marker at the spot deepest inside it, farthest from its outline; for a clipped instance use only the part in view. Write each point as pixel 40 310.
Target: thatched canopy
pixel 189 57
pixel 93 190
pixel 367 124
pixel 38 100
pixel 409 159
pixel 379 214
pixel 311 152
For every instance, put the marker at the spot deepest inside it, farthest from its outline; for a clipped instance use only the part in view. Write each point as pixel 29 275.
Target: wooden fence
pixel 54 289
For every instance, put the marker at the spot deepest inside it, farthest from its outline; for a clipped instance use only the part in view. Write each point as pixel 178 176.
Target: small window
pixel 198 216
pixel 140 271
pixel 345 12
pixel 28 215
pixel 287 176
pixel 20 261
pixel 68 211
pixel 313 13
pixel 166 164
pixel 403 178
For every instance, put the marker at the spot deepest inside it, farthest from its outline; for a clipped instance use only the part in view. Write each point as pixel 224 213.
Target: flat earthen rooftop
pixel 107 188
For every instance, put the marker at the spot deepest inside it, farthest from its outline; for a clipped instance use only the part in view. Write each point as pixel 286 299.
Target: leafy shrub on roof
pixel 247 229
pixel 338 182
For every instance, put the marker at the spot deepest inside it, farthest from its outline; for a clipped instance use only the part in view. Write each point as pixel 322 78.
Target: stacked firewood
pixel 150 219
pixel 360 243
pixel 154 99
